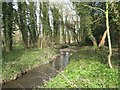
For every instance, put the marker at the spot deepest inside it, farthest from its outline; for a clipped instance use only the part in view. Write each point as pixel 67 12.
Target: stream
pixel 37 76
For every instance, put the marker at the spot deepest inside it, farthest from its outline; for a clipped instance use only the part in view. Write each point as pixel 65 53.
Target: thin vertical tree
pixel 7 11
pixel 56 31
pixel 22 22
pixel 108 35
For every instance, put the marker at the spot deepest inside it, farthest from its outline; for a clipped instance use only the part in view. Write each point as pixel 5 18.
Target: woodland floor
pixel 88 69
pixel 21 60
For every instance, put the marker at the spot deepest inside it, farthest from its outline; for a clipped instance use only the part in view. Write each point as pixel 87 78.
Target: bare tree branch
pixel 95 8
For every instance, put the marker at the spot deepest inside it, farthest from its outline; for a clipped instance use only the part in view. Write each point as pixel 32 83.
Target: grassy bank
pixel 21 60
pixel 87 69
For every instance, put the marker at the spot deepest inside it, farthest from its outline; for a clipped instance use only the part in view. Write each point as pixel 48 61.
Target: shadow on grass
pixel 13 55
pixel 95 55
pixel 87 69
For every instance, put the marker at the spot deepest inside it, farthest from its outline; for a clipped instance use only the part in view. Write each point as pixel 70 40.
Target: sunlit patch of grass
pixel 87 69
pixel 24 59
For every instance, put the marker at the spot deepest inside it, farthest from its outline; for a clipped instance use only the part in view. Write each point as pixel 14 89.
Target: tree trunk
pixel 108 35
pixel 63 29
pixel 8 23
pixel 1 43
pixel 23 23
pixel 93 40
pixel 102 42
pixel 56 27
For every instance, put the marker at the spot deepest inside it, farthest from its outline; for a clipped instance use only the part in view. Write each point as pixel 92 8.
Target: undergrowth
pixel 87 69
pixel 24 59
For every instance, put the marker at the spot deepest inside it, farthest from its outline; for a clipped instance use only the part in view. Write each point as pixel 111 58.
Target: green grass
pixel 24 59
pixel 87 69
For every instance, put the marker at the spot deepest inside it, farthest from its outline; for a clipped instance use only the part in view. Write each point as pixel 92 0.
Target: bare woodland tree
pixel 108 35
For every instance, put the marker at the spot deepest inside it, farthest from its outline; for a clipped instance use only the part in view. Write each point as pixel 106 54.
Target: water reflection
pixel 61 61
pixel 38 75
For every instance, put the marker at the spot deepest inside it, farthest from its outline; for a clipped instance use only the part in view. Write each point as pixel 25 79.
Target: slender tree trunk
pixel 63 29
pixel 93 40
pixel 102 42
pixel 8 23
pixel 63 33
pixel 22 22
pixel 108 35
pixel 67 30
pixel 1 45
pixel 56 27
pixel 68 36
pixel 75 35
pixel 40 32
pixel 32 27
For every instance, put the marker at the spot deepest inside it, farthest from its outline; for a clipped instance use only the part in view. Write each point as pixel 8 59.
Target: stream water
pixel 39 75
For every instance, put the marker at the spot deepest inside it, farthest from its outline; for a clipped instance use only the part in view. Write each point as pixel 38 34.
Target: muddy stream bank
pixel 37 76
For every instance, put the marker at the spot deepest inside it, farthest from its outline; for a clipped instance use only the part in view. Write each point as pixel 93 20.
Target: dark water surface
pixel 39 75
